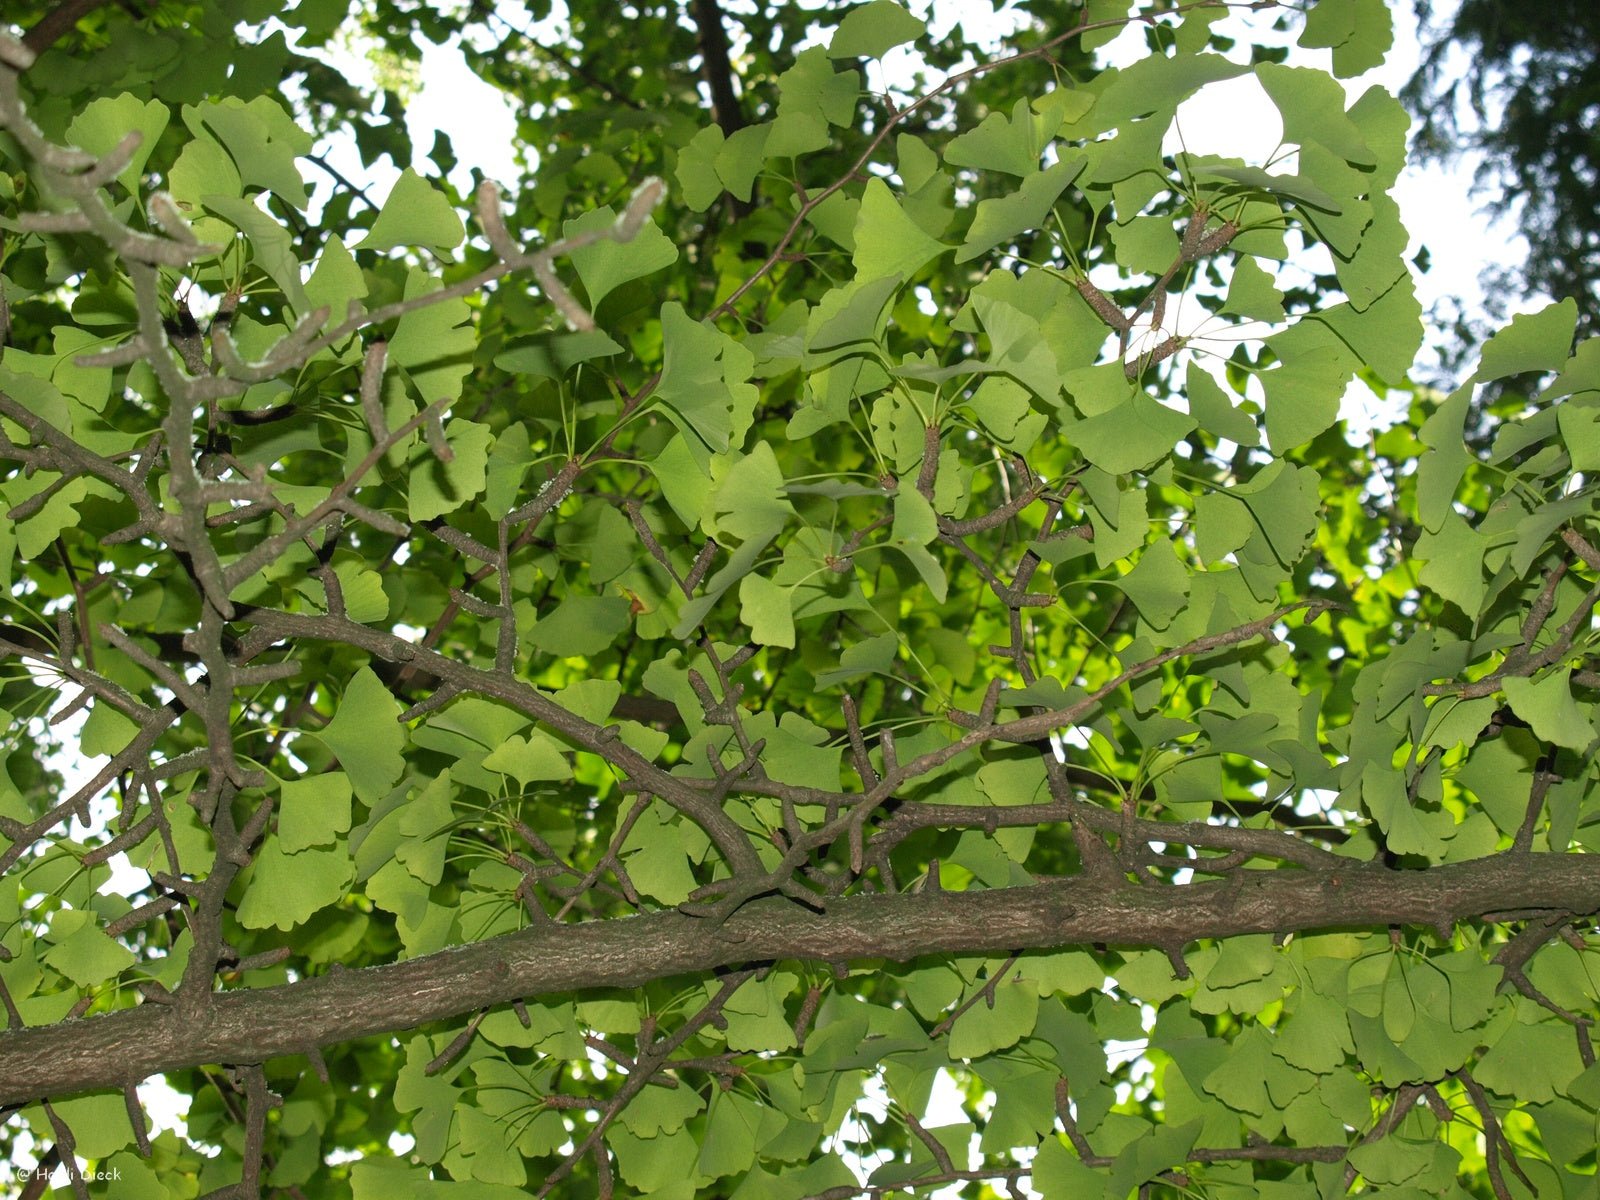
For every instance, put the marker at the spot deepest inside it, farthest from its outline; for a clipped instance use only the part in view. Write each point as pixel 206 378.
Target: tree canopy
pixel 828 640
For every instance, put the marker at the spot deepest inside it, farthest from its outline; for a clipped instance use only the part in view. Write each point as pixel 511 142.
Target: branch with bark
pixel 255 1025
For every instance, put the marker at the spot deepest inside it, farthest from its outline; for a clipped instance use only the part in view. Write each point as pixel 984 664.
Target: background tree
pixel 777 617
pixel 1520 86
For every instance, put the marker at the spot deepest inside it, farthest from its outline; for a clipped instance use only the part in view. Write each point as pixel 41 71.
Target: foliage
pixel 771 617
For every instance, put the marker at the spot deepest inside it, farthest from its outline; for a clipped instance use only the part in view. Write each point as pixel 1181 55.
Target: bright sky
pixel 1235 116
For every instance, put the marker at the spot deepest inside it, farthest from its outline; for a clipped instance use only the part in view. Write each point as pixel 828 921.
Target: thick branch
pixel 257 1025
pixel 55 24
pixel 715 68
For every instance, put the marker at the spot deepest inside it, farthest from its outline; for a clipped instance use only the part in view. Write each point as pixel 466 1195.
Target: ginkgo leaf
pixel 873 29
pixel 887 241
pixel 1532 342
pixel 365 734
pixel 415 214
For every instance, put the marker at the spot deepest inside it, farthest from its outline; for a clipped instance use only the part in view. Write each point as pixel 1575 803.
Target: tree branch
pixel 296 1018
pixel 715 69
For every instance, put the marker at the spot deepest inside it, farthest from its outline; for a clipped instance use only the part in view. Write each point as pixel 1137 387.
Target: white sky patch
pixel 473 114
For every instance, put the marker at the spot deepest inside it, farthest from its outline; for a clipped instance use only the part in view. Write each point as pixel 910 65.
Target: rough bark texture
pixel 254 1026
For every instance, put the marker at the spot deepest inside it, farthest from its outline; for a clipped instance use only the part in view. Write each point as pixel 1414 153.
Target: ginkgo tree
pixel 762 658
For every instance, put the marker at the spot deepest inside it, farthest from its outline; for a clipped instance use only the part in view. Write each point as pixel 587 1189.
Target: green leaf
pixel 1285 501
pixel 581 625
pixel 365 601
pixel 433 343
pixel 697 168
pixel 1058 1175
pixel 661 1110
pixel 1133 436
pixel 1454 558
pixel 1156 82
pixel 1312 107
pixel 552 355
pixel 1303 396
pixel 1163 1147
pixel 1296 187
pixel 1532 342
pixel 1548 705
pixel 313 811
pixel 1439 471
pixel 914 520
pixel 1252 294
pixel 1011 144
pixel 1530 1062
pixel 1406 830
pixel 426 823
pixel 605 265
pixel 740 159
pixel 203 170
pixel 367 736
pixel 99 1122
pixel 415 214
pixel 106 731
pixel 1210 405
pixel 286 889
pixel 1317 1036
pixel 874 656
pixel 703 380
pixel 440 487
pixel 887 241
pixel 811 97
pixel 1026 208
pixel 768 611
pixel 531 759
pixel 263 140
pixel 873 29
pixel 736 1128
pixel 271 247
pixel 1158 585
pixel 1580 431
pixel 103 123
pixel 336 282
pixel 748 499
pixel 984 1028
pixel 1581 374
pixel 654 856
pixel 1359 32
pixel 1145 245
pixel 39 532
pixel 851 314
pixel 756 1016
pixel 1241 1081
pixel 82 951
pixel 1387 333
